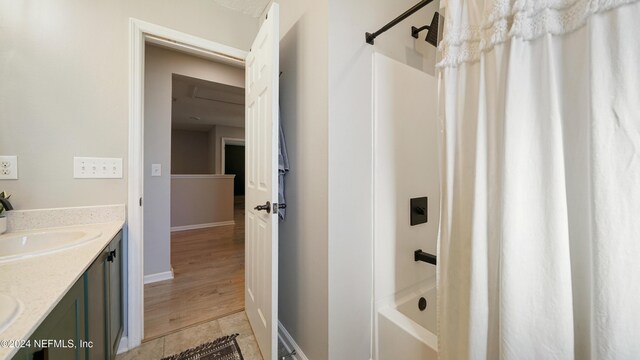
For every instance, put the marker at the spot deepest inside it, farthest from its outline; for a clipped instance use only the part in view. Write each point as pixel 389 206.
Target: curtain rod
pixel 369 37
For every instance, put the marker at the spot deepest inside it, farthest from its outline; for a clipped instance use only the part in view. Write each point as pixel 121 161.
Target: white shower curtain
pixel 540 235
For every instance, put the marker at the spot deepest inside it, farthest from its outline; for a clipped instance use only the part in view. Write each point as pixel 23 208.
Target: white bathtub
pixel 405 332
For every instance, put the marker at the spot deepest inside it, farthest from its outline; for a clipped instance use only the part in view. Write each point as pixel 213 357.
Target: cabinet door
pixel 97 290
pixel 115 293
pixel 61 334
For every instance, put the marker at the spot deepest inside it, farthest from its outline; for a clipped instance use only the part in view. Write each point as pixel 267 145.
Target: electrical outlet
pixel 8 167
pixel 97 168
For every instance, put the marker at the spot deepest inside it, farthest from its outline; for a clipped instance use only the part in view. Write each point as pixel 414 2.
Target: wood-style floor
pixel 208 283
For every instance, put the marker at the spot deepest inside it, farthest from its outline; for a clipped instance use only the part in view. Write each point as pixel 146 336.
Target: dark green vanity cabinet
pixel 115 312
pixel 103 282
pixel 90 314
pixel 65 323
pixel 95 280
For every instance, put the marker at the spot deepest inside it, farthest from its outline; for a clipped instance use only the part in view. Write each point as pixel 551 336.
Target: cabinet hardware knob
pixel 111 256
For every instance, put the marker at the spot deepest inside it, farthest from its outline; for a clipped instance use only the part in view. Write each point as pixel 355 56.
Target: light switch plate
pixel 97 168
pixel 156 169
pixel 8 167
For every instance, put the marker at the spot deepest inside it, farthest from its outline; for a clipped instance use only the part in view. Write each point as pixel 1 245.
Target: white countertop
pixel 40 282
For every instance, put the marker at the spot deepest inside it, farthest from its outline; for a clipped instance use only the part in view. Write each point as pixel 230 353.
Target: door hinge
pixel 140 201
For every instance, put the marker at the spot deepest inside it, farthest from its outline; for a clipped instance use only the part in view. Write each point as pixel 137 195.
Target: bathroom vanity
pixel 69 296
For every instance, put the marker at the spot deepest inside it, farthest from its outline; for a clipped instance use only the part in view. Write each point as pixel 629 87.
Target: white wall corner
pixel 289 343
pixel 152 278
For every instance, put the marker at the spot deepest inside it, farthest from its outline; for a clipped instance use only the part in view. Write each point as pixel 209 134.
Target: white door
pixel 261 247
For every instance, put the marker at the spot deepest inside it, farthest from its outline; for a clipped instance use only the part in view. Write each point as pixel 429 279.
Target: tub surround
pixel 40 282
pixel 402 274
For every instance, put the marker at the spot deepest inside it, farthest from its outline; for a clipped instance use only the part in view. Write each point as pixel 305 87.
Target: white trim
pixel 152 278
pixel 202 226
pixel 289 343
pixel 139 33
pixel 202 176
pixel 123 347
pixel 231 141
pixel 135 328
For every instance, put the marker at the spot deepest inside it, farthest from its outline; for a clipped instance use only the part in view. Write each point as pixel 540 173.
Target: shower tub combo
pixel 405 170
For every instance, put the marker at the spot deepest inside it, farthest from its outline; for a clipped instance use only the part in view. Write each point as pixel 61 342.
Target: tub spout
pixel 420 255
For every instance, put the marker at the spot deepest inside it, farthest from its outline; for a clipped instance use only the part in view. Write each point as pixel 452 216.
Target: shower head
pixel 432 30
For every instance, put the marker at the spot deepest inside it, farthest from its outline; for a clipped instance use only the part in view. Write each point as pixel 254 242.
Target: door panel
pixel 96 288
pixel 261 128
pixel 116 325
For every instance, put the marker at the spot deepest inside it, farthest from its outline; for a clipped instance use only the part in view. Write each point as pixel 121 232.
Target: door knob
pixel 266 207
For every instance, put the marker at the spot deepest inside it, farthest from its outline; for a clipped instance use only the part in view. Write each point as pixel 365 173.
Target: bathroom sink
pixel 23 245
pixel 9 310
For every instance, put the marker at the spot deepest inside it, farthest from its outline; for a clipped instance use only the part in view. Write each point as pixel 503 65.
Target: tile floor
pixel 184 339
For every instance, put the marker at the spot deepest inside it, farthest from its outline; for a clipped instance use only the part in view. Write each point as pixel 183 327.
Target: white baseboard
pixel 289 343
pixel 167 275
pixel 202 226
pixel 124 345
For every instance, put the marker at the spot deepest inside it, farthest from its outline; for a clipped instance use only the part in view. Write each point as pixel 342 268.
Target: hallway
pixel 208 279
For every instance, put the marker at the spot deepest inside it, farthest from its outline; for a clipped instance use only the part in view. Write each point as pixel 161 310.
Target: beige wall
pixel 160 64
pixel 190 152
pixel 64 88
pixel 303 287
pixel 203 199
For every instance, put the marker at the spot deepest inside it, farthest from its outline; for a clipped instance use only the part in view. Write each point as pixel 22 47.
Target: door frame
pixel 140 33
pixel 224 141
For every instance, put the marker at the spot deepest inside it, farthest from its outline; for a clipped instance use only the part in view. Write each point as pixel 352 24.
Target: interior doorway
pixel 233 162
pixel 202 278
pixel 262 123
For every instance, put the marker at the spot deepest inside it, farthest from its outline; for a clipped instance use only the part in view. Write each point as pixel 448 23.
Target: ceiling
pixel 200 104
pixel 249 7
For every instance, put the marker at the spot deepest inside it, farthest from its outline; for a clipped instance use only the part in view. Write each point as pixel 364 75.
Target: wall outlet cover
pixel 8 167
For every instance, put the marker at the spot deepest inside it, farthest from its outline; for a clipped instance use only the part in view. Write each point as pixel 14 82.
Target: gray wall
pixel 303 287
pixel 202 199
pixel 350 156
pixel 160 64
pixel 64 89
pixel 190 152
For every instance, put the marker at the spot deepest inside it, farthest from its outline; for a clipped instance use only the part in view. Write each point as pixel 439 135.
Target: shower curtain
pixel 540 234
